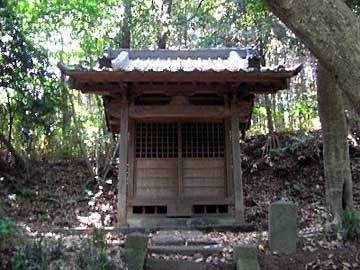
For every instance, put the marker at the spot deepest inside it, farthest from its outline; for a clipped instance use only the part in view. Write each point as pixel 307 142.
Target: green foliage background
pixel 42 118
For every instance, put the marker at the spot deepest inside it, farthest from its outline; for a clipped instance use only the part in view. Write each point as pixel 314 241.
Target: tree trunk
pixel 269 115
pixel 66 119
pixel 17 157
pixel 164 32
pixel 11 122
pixel 335 147
pixel 79 137
pixel 111 159
pixel 331 30
pixel 125 29
pixel 65 108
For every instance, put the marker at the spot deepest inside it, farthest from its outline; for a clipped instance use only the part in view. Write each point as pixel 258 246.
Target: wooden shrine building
pixel 180 115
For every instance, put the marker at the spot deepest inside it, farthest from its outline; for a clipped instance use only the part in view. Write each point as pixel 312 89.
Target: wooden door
pixel 179 162
pixel 203 162
pixel 156 160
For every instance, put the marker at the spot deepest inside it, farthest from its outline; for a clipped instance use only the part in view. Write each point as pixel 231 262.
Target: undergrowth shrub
pixel 93 253
pixel 351 225
pixel 49 254
pixel 260 241
pixel 9 234
pixel 294 147
pixel 40 254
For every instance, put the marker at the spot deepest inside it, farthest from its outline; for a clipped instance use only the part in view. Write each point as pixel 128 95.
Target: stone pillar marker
pixel 283 227
pixel 246 257
pixel 135 251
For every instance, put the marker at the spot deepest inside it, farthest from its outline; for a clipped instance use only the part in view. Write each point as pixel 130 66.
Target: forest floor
pixel 61 197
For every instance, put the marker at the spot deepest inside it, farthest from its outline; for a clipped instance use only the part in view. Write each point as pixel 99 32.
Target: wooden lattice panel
pixel 156 140
pixel 202 140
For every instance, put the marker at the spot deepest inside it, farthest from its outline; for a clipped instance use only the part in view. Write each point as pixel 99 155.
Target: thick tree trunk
pixel 335 147
pixel 331 30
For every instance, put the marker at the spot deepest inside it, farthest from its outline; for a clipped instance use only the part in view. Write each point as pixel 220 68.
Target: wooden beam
pixel 185 111
pixel 181 87
pixel 196 76
pixel 176 88
pixel 173 112
pixel 100 88
pixel 236 160
pixel 123 156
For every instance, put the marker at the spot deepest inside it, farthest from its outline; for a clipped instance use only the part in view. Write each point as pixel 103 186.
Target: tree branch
pixel 195 13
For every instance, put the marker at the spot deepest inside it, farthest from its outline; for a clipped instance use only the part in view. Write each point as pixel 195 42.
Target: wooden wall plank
pixel 156 192
pixel 204 173
pixel 156 177
pixel 204 177
pixel 152 172
pixel 204 182
pixel 190 163
pixel 164 163
pixel 156 182
pixel 204 191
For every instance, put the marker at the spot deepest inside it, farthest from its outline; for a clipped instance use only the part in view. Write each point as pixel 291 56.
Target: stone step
pixel 182 242
pixel 186 250
pixel 159 264
pixel 168 242
pixel 181 238
pixel 201 242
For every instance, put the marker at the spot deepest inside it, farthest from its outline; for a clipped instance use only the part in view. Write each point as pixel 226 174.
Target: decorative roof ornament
pixel 121 62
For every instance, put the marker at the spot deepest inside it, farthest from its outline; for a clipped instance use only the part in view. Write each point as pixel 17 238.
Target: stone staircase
pixel 175 250
pixel 190 250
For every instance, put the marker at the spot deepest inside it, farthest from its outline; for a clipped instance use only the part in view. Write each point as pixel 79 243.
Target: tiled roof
pixel 211 65
pixel 218 60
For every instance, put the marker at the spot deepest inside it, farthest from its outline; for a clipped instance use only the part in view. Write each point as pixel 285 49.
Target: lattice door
pixel 196 148
pixel 203 162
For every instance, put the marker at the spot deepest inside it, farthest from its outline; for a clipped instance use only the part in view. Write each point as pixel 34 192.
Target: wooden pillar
pixel 131 160
pixel 180 187
pixel 236 160
pixel 229 183
pixel 123 157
